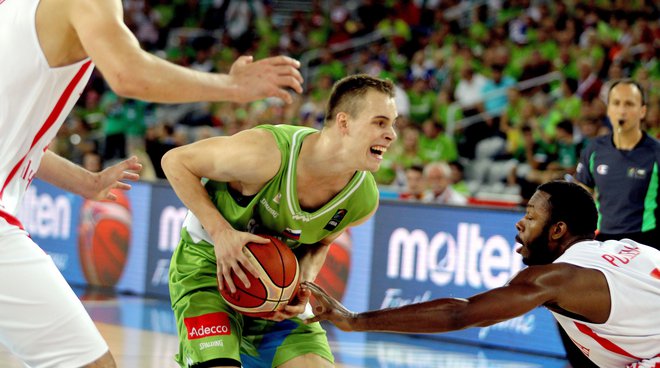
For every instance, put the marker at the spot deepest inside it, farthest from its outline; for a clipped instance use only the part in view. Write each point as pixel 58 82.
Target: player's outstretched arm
pixel 65 174
pixel 133 72
pixel 531 288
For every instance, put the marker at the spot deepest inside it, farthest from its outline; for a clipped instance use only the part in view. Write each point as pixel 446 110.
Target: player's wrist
pixel 357 321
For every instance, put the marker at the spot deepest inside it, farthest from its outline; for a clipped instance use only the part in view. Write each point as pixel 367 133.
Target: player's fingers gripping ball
pixel 279 275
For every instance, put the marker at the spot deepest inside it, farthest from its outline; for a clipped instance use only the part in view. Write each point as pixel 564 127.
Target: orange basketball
pixel 104 236
pixel 279 275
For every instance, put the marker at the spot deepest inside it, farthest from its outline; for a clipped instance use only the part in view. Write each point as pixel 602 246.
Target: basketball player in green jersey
pixel 302 185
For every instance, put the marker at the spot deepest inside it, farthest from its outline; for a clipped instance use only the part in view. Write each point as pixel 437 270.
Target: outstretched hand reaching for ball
pixel 329 308
pixel 294 308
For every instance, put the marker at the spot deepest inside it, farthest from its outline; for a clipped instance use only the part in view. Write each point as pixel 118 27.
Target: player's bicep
pixel 250 157
pixel 530 288
pixel 106 39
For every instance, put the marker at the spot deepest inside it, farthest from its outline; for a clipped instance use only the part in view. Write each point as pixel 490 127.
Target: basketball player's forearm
pixel 434 316
pixel 64 174
pixel 190 190
pixel 132 72
pixel 153 79
pixel 312 261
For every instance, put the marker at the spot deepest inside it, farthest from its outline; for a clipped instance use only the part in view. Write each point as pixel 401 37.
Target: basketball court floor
pixel 141 334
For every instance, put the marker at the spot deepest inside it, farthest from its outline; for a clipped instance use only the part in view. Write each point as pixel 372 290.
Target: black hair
pixel 572 84
pixel 566 125
pixel 573 205
pixel 416 167
pixel 628 81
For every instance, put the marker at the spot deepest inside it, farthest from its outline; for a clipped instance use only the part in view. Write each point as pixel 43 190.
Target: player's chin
pixel 373 165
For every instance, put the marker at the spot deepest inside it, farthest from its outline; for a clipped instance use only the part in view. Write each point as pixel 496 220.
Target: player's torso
pixel 627 186
pixel 275 209
pixel 632 332
pixel 34 99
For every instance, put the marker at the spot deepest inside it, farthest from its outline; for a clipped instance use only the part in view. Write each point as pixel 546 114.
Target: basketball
pixel 104 235
pixel 278 281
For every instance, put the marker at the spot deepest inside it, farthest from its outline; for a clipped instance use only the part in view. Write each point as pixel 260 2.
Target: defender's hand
pixel 269 77
pixel 295 307
pixel 113 178
pixel 329 309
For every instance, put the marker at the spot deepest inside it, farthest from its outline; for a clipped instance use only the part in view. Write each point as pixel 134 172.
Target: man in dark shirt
pixel 622 169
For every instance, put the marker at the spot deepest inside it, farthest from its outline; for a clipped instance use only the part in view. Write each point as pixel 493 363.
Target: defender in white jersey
pixel 632 330
pixel 606 295
pixel 49 49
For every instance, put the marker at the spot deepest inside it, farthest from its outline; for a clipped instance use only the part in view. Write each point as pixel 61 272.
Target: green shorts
pixel 210 330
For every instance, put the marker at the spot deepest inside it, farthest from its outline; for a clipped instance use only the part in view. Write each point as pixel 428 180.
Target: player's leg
pixel 209 330
pixel 308 360
pixel 290 343
pixel 42 321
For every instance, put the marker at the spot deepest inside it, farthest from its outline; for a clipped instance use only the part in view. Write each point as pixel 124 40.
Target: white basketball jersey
pixel 632 331
pixel 34 99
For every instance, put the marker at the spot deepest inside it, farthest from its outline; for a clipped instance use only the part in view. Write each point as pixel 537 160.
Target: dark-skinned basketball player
pixel 606 295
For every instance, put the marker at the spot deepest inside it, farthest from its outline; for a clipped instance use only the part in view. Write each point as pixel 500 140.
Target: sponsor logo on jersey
pixel 211 344
pixel 206 325
pixel 292 234
pixel 277 198
pixel 602 169
pixel 268 208
pixel 336 219
pixel 636 173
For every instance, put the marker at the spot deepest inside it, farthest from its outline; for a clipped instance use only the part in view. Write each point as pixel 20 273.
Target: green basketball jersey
pixel 275 208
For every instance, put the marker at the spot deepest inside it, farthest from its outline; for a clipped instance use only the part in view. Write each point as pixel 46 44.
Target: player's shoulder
pixel 652 142
pixel 603 141
pixel 552 273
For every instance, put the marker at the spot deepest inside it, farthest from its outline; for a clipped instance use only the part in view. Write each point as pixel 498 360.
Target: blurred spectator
pixel 437 176
pixel 160 139
pixel 568 150
pixel 92 161
pixel 441 108
pixel 458 178
pixel 370 13
pixel 588 82
pixel 469 90
pixel 434 144
pixel 405 150
pixel 421 99
pixel 495 91
pixel 568 104
pixel 415 185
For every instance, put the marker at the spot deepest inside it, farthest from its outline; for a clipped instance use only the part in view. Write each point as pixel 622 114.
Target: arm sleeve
pixel 584 170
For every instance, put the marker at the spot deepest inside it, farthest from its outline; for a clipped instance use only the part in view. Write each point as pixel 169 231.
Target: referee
pixel 621 168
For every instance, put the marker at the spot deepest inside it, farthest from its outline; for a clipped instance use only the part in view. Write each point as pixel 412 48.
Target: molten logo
pixel 212 324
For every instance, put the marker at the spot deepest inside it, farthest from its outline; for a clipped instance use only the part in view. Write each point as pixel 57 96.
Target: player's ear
pixel 341 119
pixel 558 230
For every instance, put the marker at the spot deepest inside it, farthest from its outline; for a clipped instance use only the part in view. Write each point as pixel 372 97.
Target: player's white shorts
pixel 42 321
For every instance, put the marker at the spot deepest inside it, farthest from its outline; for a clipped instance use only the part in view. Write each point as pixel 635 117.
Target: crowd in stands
pixel 494 97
